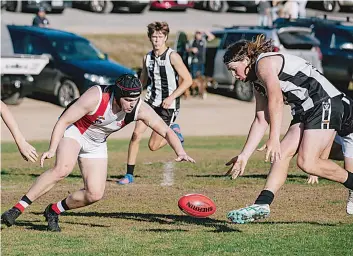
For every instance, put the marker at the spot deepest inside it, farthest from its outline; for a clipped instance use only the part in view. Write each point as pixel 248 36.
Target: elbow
pixel 261 121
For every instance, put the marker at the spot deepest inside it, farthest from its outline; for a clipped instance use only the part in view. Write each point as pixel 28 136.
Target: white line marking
pixel 168 174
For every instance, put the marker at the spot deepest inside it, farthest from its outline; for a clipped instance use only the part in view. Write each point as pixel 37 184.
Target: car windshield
pixel 76 50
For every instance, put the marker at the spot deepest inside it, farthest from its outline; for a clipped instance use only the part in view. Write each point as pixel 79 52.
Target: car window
pixel 69 49
pixel 233 37
pixel 36 45
pixel 339 38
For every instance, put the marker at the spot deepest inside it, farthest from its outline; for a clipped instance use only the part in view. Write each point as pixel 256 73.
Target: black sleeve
pixel 36 21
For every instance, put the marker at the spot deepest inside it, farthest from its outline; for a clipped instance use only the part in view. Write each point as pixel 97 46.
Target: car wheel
pixel 14 99
pixel 68 91
pixel 215 6
pixel 328 6
pixel 243 91
pixel 14 6
pixel 100 6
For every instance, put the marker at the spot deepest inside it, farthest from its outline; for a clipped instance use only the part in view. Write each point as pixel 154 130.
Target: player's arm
pixel 267 71
pixel 27 151
pixel 84 105
pixel 258 126
pixel 184 74
pixel 144 75
pixel 156 123
pixel 256 132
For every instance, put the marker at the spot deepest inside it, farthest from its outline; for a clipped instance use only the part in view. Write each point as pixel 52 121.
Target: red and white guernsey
pixel 100 123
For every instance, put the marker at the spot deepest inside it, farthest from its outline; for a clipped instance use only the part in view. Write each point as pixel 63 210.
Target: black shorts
pixel 168 115
pixel 327 115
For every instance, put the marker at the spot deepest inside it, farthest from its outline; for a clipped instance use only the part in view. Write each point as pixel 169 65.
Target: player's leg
pixel 134 146
pixel 313 144
pixel 93 165
pixel 66 157
pixel 347 148
pixel 169 116
pixel 275 180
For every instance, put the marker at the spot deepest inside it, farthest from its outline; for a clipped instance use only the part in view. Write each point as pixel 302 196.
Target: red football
pixel 197 205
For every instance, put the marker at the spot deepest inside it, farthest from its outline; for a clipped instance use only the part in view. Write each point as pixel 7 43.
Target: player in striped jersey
pixel 317 111
pixel 80 134
pixel 167 78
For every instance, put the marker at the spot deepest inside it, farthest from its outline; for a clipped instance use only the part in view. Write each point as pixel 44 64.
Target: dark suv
pixel 75 64
pixel 336 39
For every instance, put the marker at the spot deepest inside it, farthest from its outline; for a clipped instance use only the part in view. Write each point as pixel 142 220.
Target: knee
pixel 306 164
pixel 94 196
pixel 61 171
pixel 136 137
pixel 153 146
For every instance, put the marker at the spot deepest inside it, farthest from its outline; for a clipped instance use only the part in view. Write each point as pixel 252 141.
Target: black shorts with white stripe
pixel 168 115
pixel 326 115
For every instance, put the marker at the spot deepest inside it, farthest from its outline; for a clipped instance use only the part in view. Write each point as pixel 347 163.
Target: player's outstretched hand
pixel 185 158
pixel 313 179
pixel 46 155
pixel 27 151
pixel 238 166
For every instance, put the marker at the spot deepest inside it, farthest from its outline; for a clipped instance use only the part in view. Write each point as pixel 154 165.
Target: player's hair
pixel 248 49
pixel 158 26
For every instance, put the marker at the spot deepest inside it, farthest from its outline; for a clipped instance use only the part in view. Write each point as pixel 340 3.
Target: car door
pixel 339 58
pixel 47 79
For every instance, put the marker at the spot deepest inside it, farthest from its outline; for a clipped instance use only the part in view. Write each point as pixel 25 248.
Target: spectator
pixel 265 12
pixel 291 9
pixel 302 8
pixel 40 20
pixel 197 51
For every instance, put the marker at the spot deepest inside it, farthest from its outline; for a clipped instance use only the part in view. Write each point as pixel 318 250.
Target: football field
pixel 144 219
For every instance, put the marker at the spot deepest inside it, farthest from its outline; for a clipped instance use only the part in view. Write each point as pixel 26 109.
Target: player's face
pixel 238 69
pixel 128 104
pixel 158 40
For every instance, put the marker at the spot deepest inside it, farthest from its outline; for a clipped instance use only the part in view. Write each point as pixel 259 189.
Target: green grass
pixel 143 218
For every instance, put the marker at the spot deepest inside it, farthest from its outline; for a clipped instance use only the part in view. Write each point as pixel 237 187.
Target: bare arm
pixel 27 151
pixel 183 72
pixel 209 35
pixel 258 126
pixel 267 71
pixel 84 105
pixel 156 123
pixel 10 122
pixel 257 131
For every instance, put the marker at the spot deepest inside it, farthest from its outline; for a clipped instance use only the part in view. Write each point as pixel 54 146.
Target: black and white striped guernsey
pixel 163 79
pixel 302 85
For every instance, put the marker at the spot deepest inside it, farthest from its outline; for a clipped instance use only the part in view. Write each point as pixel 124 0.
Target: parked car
pixel 331 5
pixel 55 6
pixel 17 70
pixel 112 6
pixel 180 5
pixel 75 63
pixel 336 39
pixel 292 40
pixel 221 5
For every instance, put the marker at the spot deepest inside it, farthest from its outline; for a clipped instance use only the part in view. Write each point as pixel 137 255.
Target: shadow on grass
pixel 315 223
pixel 34 175
pixel 250 176
pixel 168 219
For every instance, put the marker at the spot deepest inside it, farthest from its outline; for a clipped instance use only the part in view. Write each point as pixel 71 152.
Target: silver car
pixel 297 41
